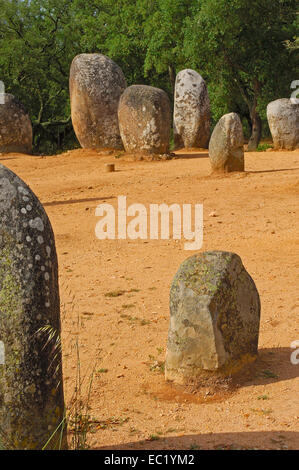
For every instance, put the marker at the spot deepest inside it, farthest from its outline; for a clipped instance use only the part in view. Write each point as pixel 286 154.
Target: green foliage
pixel 263 147
pixel 37 46
pixel 164 35
pixel 239 46
pixel 246 51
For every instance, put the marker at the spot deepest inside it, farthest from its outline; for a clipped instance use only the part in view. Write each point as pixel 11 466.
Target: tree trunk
pixel 171 72
pixel 256 131
pixel 255 119
pixel 256 122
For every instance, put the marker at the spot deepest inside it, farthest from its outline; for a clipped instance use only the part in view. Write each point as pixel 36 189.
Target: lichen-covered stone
pixel 96 84
pixel 283 119
pixel 191 116
pixel 226 148
pixel 15 126
pixel 144 115
pixel 31 389
pixel 215 314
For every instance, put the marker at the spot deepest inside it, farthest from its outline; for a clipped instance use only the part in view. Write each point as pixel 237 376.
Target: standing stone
pixel 15 126
pixel 215 314
pixel 191 111
pixel 96 84
pixel 31 389
pixel 283 119
pixel 226 148
pixel 145 119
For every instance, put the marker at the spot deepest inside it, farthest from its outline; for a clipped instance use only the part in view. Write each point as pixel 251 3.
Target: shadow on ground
pixel 268 440
pixel 192 155
pixel 271 171
pixel 76 201
pixel 7 158
pixel 273 365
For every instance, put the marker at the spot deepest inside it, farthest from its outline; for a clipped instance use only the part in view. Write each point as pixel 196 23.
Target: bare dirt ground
pixel 123 337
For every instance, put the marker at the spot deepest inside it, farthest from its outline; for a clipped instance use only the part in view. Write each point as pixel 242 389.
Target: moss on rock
pixel 215 312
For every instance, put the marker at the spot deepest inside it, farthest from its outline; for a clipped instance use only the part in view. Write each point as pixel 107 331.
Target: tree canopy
pixel 246 51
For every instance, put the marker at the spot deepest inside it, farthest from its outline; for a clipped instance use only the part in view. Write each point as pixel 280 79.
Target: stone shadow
pixel 271 171
pixel 76 201
pixel 273 365
pixel 191 155
pixel 256 440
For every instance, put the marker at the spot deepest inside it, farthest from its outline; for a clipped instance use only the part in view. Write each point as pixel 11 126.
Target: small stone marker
pixel 283 119
pixel 214 318
pixel 15 126
pixel 31 389
pixel 191 115
pixel 96 84
pixel 109 167
pixel 226 148
pixel 144 115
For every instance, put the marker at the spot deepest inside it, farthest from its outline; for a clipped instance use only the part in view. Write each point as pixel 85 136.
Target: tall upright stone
pixel 15 126
pixel 283 119
pixel 145 119
pixel 31 388
pixel 214 318
pixel 96 84
pixel 226 148
pixel 191 116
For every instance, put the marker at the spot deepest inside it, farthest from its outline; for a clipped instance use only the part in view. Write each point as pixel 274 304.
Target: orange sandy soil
pixel 123 338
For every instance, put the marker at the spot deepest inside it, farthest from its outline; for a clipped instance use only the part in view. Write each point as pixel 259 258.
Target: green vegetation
pixel 270 374
pixel 246 51
pixel 263 397
pixel 116 293
pixel 102 371
pixel 263 147
pixel 153 437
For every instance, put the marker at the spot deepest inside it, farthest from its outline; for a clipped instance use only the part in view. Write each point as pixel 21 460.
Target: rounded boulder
pixel 144 115
pixel 96 84
pixel 15 126
pixel 226 148
pixel 283 119
pixel 191 111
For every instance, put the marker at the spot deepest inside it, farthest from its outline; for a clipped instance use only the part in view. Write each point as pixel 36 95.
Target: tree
pixel 114 28
pixel 245 42
pixel 38 43
pixel 239 47
pixel 39 39
pixel 164 36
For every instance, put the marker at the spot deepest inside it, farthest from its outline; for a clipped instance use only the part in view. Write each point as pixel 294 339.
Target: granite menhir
pixel 31 388
pixel 96 84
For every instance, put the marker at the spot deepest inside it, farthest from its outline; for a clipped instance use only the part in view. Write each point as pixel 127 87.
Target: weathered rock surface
pixel 31 391
pixel 215 314
pixel 283 119
pixel 191 111
pixel 96 84
pixel 15 126
pixel 226 148
pixel 145 119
